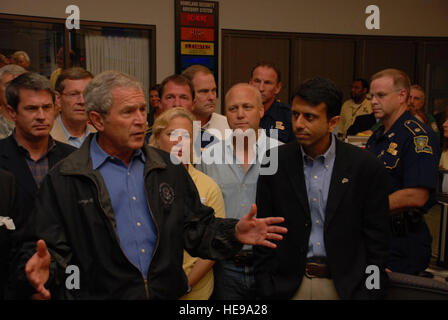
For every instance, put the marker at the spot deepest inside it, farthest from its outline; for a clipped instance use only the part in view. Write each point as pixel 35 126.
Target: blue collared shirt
pixel 72 140
pixel 317 177
pixel 238 188
pixel 135 228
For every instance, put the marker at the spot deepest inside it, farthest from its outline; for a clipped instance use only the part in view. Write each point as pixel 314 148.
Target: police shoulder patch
pixel 421 144
pixel 414 127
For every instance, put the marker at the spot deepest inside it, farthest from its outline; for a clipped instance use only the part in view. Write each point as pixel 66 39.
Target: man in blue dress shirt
pixel 122 213
pixel 236 170
pixel 333 197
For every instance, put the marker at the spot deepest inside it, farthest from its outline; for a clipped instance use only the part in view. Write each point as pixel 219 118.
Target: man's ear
pixel 57 102
pixel 193 104
pixel 404 96
pixel 11 112
pixel 278 88
pixel 97 120
pixel 333 123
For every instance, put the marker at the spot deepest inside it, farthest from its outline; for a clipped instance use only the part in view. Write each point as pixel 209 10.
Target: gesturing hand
pixel 37 270
pixel 251 230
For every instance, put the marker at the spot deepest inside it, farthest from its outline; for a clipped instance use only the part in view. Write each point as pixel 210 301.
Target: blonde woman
pixel 178 122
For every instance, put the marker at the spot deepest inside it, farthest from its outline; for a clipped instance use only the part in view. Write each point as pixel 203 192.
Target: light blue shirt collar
pixel 75 141
pixel 99 156
pixel 262 144
pixel 327 157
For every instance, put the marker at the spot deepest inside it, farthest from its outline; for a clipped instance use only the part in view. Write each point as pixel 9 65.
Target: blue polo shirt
pixel 125 184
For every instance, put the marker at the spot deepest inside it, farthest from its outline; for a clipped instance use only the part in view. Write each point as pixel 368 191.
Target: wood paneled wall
pixel 338 57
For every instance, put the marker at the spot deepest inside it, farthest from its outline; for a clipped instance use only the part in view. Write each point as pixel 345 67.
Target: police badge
pixel 279 125
pixel 166 193
pixel 392 149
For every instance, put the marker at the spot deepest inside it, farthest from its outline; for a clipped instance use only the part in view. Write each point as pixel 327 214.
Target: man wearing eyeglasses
pixel 410 153
pixel 71 126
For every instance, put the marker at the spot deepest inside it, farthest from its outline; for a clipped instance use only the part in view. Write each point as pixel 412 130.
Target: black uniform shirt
pixel 410 153
pixel 278 117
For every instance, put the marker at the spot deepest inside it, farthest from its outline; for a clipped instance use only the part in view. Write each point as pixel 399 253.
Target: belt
pixel 317 270
pixel 244 258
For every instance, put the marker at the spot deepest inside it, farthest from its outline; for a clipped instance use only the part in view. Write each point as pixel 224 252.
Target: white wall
pixel 397 17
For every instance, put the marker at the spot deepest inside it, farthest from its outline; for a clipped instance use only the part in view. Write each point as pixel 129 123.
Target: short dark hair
pixel 365 84
pixel 179 80
pixel 28 80
pixel 157 88
pixel 321 90
pixel 75 73
pixel 267 65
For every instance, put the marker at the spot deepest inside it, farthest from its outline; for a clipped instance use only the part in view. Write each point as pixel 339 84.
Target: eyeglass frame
pixel 73 95
pixel 380 95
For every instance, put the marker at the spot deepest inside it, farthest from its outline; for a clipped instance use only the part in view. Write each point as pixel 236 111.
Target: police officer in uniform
pixel 410 153
pixel 266 77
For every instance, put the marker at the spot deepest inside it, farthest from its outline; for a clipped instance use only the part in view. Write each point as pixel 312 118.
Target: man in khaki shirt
pixel 356 106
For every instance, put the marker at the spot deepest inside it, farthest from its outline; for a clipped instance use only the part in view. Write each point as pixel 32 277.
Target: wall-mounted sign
pixel 197 19
pixel 197 34
pixel 197 48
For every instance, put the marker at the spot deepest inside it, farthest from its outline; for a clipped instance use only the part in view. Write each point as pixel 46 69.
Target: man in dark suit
pixel 333 197
pixel 29 152
pixel 9 212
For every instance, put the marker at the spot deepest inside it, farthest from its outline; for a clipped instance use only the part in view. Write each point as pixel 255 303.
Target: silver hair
pixel 13 69
pixel 98 93
pixel 21 53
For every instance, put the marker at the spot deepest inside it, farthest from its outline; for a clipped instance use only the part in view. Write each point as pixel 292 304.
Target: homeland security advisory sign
pixel 197 35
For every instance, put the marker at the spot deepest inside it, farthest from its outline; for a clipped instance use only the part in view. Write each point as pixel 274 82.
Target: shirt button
pixel 134 198
pixel 143 250
pixel 318 243
pixel 129 173
pixel 314 199
pixel 138 224
pixel 317 221
pixel 315 177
